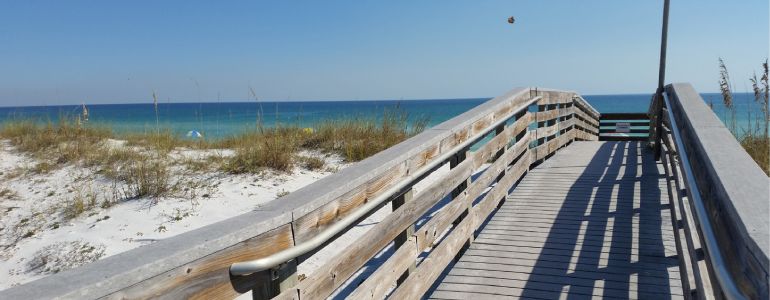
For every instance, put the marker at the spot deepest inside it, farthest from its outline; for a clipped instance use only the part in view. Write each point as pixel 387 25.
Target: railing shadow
pixel 602 247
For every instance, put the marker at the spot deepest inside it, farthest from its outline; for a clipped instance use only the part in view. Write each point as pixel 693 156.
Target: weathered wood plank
pixel 612 288
pixel 547 131
pixel 430 268
pixel 550 97
pixel 310 211
pixel 209 277
pixel 552 264
pixel 381 281
pixel 330 276
pixel 427 272
pixel 547 115
pixel 518 277
pixel 372 287
pixel 427 234
pixel 555 231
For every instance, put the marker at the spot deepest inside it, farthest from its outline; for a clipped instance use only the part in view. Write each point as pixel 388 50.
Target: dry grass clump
pixel 144 175
pixel 147 178
pixel 273 148
pixel 62 142
pixel 205 164
pixel 354 139
pixel 359 138
pixel 754 138
pixel 162 140
pixel 312 163
pixel 84 200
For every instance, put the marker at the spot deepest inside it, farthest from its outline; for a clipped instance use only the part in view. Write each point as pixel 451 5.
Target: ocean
pixel 221 119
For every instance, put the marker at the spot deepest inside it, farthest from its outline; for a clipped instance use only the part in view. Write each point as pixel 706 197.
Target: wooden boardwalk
pixel 592 221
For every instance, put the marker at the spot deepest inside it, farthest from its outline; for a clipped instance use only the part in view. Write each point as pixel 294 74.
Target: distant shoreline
pixel 222 119
pixel 149 101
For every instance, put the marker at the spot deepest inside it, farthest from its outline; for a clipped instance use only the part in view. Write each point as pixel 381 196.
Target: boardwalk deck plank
pixel 592 221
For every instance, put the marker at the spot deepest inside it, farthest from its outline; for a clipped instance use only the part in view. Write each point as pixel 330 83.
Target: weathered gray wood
pixel 547 115
pixel 695 262
pixel 437 260
pixel 335 272
pixel 373 286
pixel 161 268
pixel 680 233
pixel 552 264
pixel 730 183
pixel 404 236
pixel 608 226
pixel 310 210
pixel 441 221
pixel 518 278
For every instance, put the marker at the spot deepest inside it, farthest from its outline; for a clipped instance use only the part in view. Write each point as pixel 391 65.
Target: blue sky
pixel 59 52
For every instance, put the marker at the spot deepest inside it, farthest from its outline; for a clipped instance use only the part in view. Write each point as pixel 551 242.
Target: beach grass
pixel 754 139
pixel 273 148
pixel 358 138
pixel 143 160
pixel 55 143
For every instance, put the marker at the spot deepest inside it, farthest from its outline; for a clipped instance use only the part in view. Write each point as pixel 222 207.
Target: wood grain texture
pixel 308 212
pixel 327 278
pixel 431 267
pixel 209 277
pixel 591 221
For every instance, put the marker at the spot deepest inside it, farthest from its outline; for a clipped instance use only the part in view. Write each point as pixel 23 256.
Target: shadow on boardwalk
pixel 591 221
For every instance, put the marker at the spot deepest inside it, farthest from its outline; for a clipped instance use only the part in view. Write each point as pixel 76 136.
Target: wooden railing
pixel 487 149
pixel 624 127
pixel 434 241
pixel 719 200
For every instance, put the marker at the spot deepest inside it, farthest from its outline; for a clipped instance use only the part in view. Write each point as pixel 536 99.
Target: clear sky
pixel 61 52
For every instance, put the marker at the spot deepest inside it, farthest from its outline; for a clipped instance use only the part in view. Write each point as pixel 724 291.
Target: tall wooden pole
pixel 661 81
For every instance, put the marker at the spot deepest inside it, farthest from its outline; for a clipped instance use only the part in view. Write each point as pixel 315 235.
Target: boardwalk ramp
pixel 591 221
pixel 532 194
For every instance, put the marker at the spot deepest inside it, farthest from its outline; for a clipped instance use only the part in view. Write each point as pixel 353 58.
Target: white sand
pixel 32 219
pixel 98 233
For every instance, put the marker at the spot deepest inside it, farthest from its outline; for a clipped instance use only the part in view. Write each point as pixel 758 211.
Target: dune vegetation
pixel 754 137
pixel 144 156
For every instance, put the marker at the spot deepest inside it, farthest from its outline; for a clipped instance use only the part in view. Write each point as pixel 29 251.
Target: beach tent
pixel 194 134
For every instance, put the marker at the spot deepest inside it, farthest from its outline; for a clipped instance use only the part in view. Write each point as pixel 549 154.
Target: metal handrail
pixel 723 276
pixel 278 258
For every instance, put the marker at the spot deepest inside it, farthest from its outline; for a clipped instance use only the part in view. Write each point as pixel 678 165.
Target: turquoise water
pixel 222 119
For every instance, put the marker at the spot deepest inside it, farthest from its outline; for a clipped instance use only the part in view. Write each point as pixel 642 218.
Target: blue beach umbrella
pixel 194 134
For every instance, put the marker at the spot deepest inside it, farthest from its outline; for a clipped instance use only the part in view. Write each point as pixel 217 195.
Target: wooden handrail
pixel 196 264
pixel 446 232
pixel 722 197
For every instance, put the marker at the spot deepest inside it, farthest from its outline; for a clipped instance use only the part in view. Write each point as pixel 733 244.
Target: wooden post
pixel 498 130
pixel 661 80
pixel 658 124
pixel 455 161
pixel 574 120
pixel 282 278
pixel 403 237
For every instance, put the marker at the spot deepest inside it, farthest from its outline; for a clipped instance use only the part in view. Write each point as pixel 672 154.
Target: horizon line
pixel 306 100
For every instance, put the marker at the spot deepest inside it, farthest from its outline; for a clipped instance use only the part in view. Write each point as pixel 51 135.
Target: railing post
pixel 282 278
pixel 455 161
pixel 574 120
pixel 403 237
pixel 658 136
